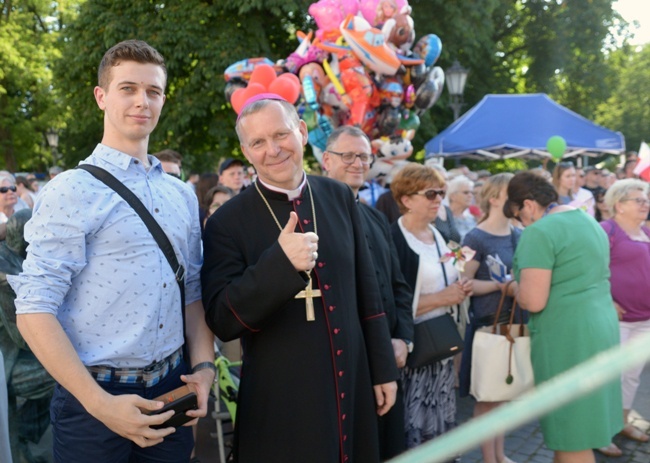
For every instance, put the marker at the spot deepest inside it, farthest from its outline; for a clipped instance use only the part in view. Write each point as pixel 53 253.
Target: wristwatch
pixel 409 345
pixel 203 366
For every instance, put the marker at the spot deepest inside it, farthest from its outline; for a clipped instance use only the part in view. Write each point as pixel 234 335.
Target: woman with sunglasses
pixel 493 236
pixel 629 242
pixel 561 266
pixel 429 393
pixel 8 198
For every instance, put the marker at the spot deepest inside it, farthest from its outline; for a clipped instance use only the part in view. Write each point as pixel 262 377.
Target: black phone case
pixel 180 406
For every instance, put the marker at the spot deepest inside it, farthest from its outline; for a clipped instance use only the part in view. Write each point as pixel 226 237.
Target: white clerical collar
pixel 291 194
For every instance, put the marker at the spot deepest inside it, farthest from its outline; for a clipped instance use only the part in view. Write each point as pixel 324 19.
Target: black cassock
pixel 306 387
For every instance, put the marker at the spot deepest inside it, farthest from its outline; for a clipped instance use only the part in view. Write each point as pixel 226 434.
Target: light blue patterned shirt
pixel 93 263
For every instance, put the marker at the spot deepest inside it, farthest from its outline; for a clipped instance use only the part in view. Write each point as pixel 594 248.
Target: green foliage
pixel 198 39
pixel 628 108
pixel 28 103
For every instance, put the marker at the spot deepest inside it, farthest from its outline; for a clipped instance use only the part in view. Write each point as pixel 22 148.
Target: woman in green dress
pixel 562 269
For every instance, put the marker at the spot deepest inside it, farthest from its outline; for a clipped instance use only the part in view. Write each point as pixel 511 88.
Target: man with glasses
pixel 347 158
pixel 287 270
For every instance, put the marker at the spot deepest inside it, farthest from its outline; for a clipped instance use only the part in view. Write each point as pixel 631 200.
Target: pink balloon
pixel 286 87
pixel 329 14
pixel 373 10
pixel 263 74
pixel 238 99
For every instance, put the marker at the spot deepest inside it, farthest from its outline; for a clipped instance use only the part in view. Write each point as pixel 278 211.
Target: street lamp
pixel 52 136
pixel 456 76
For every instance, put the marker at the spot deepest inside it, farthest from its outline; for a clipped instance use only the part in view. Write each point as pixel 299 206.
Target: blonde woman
pixel 564 179
pixel 629 264
pixel 493 236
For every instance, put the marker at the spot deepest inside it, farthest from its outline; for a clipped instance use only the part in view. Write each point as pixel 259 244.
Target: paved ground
pixel 524 445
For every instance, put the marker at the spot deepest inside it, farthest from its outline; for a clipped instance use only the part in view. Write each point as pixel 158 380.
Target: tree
pixel 28 103
pixel 198 39
pixel 628 108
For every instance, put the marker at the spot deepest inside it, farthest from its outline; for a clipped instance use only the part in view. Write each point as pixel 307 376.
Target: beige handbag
pixel 501 366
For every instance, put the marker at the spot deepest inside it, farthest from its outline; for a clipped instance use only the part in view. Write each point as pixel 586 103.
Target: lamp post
pixel 52 136
pixel 456 76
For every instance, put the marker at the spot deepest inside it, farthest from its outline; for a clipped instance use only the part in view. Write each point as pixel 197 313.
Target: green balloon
pixel 556 145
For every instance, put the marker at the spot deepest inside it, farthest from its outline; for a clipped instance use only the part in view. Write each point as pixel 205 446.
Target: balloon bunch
pixel 359 68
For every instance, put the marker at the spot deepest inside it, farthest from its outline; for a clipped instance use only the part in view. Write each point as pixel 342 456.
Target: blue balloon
pixel 428 48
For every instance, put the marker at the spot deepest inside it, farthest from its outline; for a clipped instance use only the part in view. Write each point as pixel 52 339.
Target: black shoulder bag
pixel 437 338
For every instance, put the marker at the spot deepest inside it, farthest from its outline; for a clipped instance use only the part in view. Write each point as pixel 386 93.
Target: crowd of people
pixel 323 287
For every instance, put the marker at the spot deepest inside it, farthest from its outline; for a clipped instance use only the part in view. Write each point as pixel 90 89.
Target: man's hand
pixel 385 397
pixel 126 415
pixel 199 383
pixel 300 248
pixel 401 352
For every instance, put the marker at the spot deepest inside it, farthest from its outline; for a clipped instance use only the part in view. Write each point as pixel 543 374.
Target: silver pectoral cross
pixel 308 294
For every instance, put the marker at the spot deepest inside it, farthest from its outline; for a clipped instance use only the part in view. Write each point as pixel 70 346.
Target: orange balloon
pixel 238 99
pixel 263 74
pixel 286 87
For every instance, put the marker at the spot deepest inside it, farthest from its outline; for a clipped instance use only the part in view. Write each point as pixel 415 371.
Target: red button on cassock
pixel 340 374
pixel 331 308
pixel 336 331
pixel 339 352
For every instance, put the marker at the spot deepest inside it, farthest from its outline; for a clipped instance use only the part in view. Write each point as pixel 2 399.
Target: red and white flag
pixel 642 168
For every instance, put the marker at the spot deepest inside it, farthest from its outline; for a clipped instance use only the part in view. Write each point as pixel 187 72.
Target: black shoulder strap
pixel 151 223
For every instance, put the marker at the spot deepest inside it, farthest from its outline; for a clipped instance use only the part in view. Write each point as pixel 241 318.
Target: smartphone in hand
pixel 180 400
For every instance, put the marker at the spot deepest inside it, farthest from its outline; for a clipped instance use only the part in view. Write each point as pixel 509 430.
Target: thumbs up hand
pixel 300 248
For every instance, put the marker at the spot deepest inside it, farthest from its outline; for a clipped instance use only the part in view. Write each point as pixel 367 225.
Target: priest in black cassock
pixel 348 158
pixel 287 270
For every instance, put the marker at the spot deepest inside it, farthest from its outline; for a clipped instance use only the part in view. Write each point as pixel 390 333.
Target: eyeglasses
pixel 639 201
pixel 431 194
pixel 4 189
pixel 349 158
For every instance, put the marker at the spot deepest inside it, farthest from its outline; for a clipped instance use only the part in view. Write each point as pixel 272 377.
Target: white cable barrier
pixel 570 385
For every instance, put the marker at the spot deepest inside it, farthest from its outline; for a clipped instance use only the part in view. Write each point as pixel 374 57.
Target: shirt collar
pixel 291 194
pixel 122 160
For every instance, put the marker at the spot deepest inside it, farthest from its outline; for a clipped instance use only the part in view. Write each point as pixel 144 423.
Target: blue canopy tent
pixel 508 126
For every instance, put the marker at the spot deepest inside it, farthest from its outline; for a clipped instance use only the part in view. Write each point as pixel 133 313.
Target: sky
pixel 636 10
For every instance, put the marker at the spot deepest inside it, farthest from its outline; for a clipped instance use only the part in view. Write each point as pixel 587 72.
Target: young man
pixel 231 174
pixel 97 301
pixel 347 158
pixel 287 270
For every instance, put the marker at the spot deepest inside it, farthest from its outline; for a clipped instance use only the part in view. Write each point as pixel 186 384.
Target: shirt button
pixel 161 325
pixel 156 210
pixel 331 308
pixel 164 285
pixel 136 161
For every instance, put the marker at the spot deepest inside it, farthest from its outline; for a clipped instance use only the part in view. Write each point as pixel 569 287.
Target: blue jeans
pixel 79 437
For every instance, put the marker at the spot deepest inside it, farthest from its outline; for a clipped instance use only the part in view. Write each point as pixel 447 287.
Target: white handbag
pixel 501 366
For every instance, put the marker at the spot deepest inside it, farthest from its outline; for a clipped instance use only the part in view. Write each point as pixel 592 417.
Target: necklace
pixel 308 294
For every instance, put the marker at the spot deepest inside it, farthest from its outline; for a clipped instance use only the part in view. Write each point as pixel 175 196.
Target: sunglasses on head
pixel 431 194
pixel 4 189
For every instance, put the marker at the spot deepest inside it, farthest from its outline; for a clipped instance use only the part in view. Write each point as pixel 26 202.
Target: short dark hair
pixel 128 50
pixel 168 155
pixel 528 185
pixel 351 130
